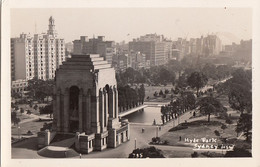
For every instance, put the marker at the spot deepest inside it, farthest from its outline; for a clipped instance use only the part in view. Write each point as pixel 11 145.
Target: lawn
pixel 27 107
pixel 33 126
pixel 199 131
pixel 149 92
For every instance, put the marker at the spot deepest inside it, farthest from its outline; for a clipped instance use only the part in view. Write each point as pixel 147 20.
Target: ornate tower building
pixel 51 30
pixel 86 103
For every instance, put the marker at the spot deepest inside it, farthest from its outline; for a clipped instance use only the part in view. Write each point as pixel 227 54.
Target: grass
pixel 27 107
pixel 198 130
pixel 33 126
pixel 177 154
pixel 149 91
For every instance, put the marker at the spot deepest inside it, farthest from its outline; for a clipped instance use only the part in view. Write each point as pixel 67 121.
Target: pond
pixel 146 116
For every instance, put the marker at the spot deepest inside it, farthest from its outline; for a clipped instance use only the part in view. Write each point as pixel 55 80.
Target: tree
pixel 141 92
pixel 175 66
pixel 210 71
pixel 48 109
pixel 21 110
pixel 189 99
pixel 217 133
pixel 239 90
pixel 39 89
pixel 238 152
pixel 166 91
pixel 240 97
pixel 161 93
pixel 35 107
pixel 223 127
pixel 129 75
pixel 29 112
pixel 223 71
pixel 245 125
pixel 149 152
pixel 182 82
pixel 14 118
pixel 209 106
pixel 197 80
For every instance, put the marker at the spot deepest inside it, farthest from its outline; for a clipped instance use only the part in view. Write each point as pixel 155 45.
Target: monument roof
pixel 85 62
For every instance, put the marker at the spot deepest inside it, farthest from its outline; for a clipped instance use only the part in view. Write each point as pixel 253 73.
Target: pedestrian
pixel 180 138
pixel 65 154
pixel 80 156
pixel 160 128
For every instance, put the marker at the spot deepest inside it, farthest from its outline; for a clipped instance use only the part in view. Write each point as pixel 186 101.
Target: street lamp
pixel 157 128
pixel 135 143
pixel 19 132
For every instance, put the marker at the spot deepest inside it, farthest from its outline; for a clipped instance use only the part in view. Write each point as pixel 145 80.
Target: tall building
pixel 211 45
pixel 37 56
pixel 97 45
pixel 203 46
pixel 156 48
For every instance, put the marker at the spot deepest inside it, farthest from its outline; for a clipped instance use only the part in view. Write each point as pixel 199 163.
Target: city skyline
pixel 176 22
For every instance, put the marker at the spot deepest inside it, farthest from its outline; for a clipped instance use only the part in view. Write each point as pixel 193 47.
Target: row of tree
pixel 184 102
pixel 165 74
pixel 129 97
pixel 239 91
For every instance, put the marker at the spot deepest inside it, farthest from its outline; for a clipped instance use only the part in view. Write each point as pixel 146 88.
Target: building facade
pixel 94 45
pixel 37 56
pixel 156 48
pixel 19 85
pixel 86 101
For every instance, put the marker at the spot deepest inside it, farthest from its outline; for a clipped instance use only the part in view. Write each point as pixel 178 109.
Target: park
pixel 185 109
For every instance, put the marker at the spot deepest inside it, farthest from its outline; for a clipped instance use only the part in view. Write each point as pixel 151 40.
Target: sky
pixel 118 24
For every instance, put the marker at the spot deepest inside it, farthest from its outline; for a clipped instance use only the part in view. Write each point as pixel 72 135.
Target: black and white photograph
pixel 129 83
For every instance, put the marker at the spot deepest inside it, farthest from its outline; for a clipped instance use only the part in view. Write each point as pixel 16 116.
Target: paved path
pixel 28 148
pixel 34 117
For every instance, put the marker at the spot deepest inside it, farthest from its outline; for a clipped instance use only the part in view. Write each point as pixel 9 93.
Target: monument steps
pixel 64 143
pixel 57 152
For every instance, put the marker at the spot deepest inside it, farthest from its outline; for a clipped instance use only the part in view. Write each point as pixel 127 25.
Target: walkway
pixel 132 110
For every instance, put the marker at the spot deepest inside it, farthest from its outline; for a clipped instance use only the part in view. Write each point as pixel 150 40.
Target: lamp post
pixel 157 129
pixel 135 143
pixel 19 132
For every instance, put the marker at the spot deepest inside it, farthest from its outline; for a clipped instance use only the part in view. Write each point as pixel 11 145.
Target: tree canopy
pixel 197 80
pixel 40 89
pixel 210 105
pixel 245 125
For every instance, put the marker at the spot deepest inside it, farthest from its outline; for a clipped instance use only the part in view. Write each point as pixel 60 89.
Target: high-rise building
pixel 97 45
pixel 211 45
pixel 37 56
pixel 156 48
